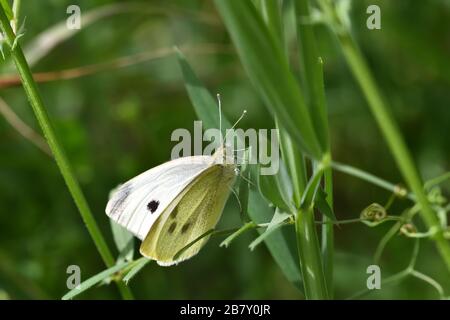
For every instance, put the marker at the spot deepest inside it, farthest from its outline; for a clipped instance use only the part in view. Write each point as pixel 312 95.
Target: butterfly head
pixel 224 156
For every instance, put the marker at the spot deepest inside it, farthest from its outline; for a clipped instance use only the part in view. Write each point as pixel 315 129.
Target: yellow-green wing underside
pixel 192 213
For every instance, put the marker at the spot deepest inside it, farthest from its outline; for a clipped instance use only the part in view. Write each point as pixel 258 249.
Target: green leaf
pixel 268 69
pixel 271 13
pixel 278 220
pixel 94 280
pixel 204 104
pixel 243 193
pixel 139 265
pixel 277 189
pixel 323 206
pixel 7 8
pixel 311 72
pixel 124 241
pixel 311 188
pixel 295 164
pixel 281 242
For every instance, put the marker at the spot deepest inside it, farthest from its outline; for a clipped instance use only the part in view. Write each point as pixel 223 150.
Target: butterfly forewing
pixel 138 203
pixel 191 214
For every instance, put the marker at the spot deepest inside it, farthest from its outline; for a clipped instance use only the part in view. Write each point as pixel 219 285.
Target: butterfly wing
pixel 191 214
pixel 138 203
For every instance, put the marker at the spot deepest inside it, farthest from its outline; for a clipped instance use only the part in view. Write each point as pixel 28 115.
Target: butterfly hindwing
pixel 191 214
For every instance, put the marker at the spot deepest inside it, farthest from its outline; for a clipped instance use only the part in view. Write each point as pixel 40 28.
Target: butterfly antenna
pixel 240 118
pixel 235 124
pixel 220 112
pixel 237 198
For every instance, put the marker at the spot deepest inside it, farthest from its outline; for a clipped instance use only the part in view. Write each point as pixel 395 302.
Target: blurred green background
pixel 117 123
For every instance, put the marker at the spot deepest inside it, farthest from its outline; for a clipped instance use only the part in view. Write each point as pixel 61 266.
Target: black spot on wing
pixel 153 205
pixel 172 227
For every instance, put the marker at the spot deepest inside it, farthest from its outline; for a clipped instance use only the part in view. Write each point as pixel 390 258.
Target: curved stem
pixel 429 280
pixel 396 277
pixel 37 104
pixel 386 123
pixel 394 139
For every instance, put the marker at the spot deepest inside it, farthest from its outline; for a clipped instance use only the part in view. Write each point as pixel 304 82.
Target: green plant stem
pixel 310 256
pixel 312 79
pixel 437 180
pixel 56 148
pixel 310 259
pixel 328 235
pixel 327 229
pixel 408 271
pixel 16 8
pixel 7 9
pixel 366 176
pixel 405 217
pixel 394 139
pixel 308 246
pixel 395 277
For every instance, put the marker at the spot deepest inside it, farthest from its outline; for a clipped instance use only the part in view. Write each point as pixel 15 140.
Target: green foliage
pixel 115 122
pixel 208 112
pixel 268 69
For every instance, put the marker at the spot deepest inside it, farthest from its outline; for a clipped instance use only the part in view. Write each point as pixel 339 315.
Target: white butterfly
pixel 173 204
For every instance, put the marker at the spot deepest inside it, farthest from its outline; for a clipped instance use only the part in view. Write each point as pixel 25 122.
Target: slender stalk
pixel 307 243
pixel 394 139
pixel 11 80
pixel 310 256
pixel 312 76
pixel 295 163
pixel 7 9
pixel 395 277
pixel 430 281
pixel 310 259
pixel 16 13
pixel 328 234
pixel 437 180
pixel 64 166
pixel 327 229
pixel 366 176
pixel 16 8
pixel 21 127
